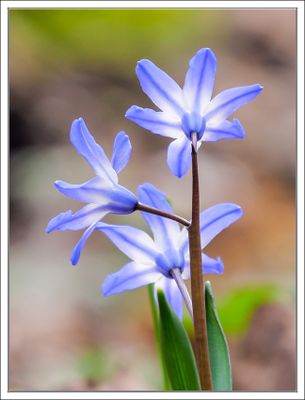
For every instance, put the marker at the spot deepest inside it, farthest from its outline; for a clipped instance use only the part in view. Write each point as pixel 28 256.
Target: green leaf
pixel 155 315
pixel 176 349
pixel 218 346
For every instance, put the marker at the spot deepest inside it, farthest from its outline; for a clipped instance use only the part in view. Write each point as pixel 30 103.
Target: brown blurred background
pixel 68 63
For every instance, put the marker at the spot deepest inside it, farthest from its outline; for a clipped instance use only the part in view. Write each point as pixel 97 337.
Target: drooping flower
pixel 188 110
pixel 102 193
pixel 152 260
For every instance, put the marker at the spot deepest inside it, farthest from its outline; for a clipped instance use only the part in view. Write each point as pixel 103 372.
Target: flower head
pixel 152 260
pixel 102 193
pixel 191 109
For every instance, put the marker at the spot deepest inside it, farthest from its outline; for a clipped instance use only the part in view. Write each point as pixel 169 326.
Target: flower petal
pixel 159 87
pixel 132 276
pixel 224 130
pixel 215 219
pixel 86 146
pixel 75 255
pixel 161 123
pixel 172 294
pixel 209 266
pixel 96 190
pixel 81 219
pixel 116 198
pixel 135 243
pixel 166 232
pixel 179 156
pixel 228 101
pixel 121 151
pixel 199 80
pixel 212 221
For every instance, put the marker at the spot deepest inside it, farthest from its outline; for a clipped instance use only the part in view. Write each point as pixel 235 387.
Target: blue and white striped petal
pixel 96 190
pixel 166 232
pixel 132 276
pixel 75 255
pixel 213 221
pixel 86 216
pixel 172 294
pixel 199 81
pixel 217 218
pixel 209 266
pixel 179 156
pixel 160 88
pixel 121 152
pixel 133 242
pixel 86 146
pixel 228 101
pixel 224 130
pixel 159 122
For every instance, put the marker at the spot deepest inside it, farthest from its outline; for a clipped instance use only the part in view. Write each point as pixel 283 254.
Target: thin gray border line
pixel 296 186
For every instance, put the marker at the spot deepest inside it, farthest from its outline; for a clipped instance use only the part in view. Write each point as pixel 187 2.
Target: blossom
pixel 152 260
pixel 191 109
pixel 102 193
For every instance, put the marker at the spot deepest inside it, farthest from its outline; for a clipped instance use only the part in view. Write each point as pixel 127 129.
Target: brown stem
pixel 198 297
pixel 156 211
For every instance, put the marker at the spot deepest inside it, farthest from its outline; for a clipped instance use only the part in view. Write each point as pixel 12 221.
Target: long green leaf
pixel 218 346
pixel 155 315
pixel 177 350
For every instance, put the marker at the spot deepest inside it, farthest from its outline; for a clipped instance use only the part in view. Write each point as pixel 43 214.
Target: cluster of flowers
pixel 183 111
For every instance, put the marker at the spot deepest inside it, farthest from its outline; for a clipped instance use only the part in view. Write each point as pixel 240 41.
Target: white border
pixel 4 202
pixel 299 5
pixel 300 199
pixel 152 4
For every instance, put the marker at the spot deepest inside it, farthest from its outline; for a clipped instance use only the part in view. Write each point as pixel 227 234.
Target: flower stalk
pixel 197 288
pixel 156 211
pixel 176 274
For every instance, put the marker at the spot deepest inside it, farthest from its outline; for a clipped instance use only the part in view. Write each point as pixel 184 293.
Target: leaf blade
pixel 218 346
pixel 155 316
pixel 177 350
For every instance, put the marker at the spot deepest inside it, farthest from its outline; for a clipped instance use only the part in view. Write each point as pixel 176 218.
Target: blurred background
pixel 64 335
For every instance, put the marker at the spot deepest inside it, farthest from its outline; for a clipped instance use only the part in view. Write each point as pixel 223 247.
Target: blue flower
pixel 152 260
pixel 188 110
pixel 102 193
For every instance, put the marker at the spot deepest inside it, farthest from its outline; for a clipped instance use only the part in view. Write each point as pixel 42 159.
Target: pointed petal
pixel 132 276
pixel 161 123
pixel 86 146
pixel 228 101
pixel 179 156
pixel 121 151
pixel 199 80
pixel 166 232
pixel 172 294
pixel 215 219
pixel 209 266
pixel 184 240
pixel 75 255
pixel 81 219
pixel 135 243
pixel 116 198
pixel 160 88
pixel 224 130
pixel 212 221
pixel 96 190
